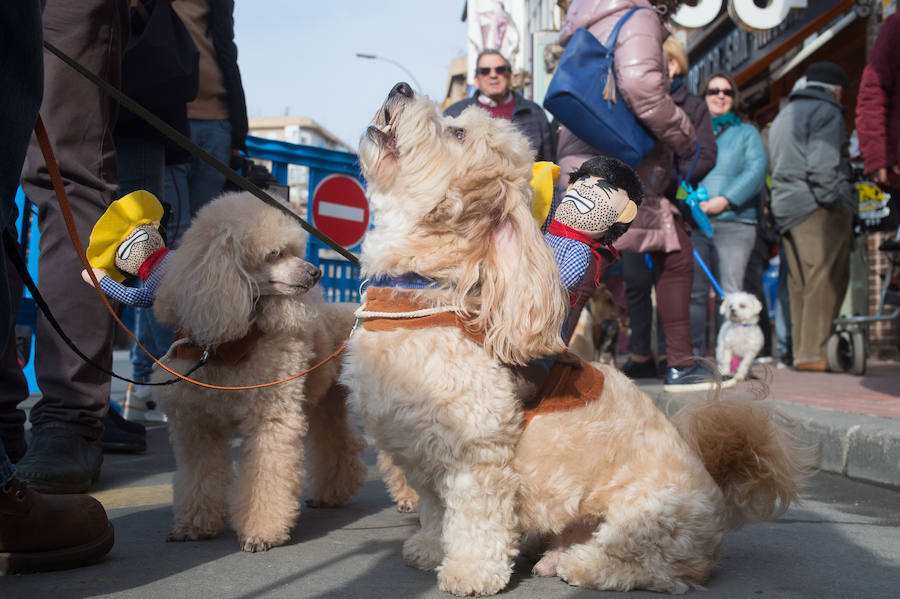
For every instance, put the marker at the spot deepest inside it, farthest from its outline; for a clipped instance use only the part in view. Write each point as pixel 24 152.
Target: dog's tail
pixel 750 451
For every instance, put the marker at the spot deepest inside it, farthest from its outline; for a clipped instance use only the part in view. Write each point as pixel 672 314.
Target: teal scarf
pixel 723 121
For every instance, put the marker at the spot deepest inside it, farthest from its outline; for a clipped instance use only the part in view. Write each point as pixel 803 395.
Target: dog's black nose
pixel 402 89
pixel 317 274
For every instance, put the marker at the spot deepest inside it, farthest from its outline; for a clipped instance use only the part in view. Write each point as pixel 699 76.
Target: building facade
pixel 765 49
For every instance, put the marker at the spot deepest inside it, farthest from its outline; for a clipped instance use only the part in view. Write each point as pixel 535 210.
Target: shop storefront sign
pixel 744 12
pixel 733 49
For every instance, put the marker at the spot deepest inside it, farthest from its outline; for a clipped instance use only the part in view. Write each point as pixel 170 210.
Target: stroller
pixel 848 346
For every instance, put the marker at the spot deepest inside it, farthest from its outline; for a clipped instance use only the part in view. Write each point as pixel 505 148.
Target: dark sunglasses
pixel 485 71
pixel 715 91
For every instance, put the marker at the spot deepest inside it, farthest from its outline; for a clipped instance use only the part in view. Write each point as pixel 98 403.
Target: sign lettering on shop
pixel 738 49
pixel 733 49
pixel 744 12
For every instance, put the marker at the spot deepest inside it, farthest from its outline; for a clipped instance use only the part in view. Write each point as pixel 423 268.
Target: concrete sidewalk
pixel 854 421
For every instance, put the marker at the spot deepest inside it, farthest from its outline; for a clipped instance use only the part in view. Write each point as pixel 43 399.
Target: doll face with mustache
pixel 591 205
pixel 137 247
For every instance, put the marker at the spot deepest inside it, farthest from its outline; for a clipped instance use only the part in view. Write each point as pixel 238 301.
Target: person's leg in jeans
pixel 142 165
pixel 700 290
pixel 22 84
pixel 206 182
pixel 68 420
pixel 783 311
pixel 13 385
pixel 753 284
pixel 734 243
pixel 46 531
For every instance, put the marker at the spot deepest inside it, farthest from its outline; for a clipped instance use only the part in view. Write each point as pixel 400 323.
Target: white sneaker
pixel 139 405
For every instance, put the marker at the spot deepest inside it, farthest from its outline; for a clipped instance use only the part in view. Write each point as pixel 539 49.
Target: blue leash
pixel 709 274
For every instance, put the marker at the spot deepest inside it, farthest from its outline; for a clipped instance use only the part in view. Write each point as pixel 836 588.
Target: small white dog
pixel 740 334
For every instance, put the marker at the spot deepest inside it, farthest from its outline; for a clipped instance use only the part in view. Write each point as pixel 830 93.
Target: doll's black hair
pixel 617 173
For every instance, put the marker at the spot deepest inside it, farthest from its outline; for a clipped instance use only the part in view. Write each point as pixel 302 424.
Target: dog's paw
pixel 255 544
pixel 467 576
pixel 422 552
pixel 407 506
pixel 547 564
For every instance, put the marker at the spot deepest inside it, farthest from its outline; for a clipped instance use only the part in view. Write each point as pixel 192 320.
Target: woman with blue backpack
pixel 733 187
pixel 634 30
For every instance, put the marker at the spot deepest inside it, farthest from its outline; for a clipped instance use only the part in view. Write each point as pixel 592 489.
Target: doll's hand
pixel 97 273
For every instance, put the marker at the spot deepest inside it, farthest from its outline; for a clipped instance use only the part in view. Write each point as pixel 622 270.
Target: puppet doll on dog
pixel 600 202
pixel 126 241
pixel 126 244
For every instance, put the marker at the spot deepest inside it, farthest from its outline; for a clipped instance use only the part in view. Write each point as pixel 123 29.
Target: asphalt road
pixel 844 541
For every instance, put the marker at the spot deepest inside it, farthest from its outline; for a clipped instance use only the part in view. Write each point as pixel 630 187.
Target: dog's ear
pixel 726 302
pixel 206 290
pixel 756 304
pixel 522 300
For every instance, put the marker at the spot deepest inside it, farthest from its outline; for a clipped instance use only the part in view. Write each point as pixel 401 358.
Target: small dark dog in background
pixel 596 336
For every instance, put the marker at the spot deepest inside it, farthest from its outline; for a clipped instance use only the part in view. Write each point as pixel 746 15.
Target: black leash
pixel 196 150
pixel 12 250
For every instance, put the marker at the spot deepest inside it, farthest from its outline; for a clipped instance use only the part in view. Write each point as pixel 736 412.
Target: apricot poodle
pixel 238 285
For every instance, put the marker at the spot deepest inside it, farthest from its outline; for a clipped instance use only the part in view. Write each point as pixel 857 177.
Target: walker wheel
pixel 839 352
pixel 859 352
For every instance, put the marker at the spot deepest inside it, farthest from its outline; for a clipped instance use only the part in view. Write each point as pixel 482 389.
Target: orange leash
pixel 66 211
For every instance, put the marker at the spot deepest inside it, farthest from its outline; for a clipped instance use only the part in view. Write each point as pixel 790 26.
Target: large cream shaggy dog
pixel 621 499
pixel 238 284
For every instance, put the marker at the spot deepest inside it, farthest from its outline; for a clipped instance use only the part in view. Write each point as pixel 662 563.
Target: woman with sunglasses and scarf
pixel 733 186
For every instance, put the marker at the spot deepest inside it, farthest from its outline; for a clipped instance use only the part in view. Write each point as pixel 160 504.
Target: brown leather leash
pixel 62 198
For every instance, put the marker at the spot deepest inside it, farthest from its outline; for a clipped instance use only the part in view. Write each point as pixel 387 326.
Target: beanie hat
pixel 826 72
pixel 120 219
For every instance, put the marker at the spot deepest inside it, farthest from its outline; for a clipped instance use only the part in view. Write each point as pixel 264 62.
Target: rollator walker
pixel 848 346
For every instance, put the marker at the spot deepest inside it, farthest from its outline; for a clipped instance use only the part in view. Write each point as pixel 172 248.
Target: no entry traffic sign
pixel 340 209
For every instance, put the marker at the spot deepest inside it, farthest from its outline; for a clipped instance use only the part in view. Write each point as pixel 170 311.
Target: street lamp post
pixel 393 62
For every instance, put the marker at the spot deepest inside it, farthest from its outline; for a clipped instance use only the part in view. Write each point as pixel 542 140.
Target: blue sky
pixel 299 56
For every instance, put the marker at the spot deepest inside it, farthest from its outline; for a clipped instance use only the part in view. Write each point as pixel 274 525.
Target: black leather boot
pixel 60 460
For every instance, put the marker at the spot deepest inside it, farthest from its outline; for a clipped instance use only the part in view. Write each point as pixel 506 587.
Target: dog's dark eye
pixel 460 134
pixel 273 255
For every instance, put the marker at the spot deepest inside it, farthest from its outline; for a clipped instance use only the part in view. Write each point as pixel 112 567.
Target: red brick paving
pixel 877 393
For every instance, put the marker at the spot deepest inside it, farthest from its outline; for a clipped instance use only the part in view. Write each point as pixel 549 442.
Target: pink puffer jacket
pixel 643 82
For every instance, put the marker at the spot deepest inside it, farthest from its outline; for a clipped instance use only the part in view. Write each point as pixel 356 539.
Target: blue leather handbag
pixel 582 94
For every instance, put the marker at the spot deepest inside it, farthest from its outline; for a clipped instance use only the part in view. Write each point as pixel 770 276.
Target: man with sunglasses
pixel 493 76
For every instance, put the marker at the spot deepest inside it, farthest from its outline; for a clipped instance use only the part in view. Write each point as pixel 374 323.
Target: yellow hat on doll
pixel 543 180
pixel 120 219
